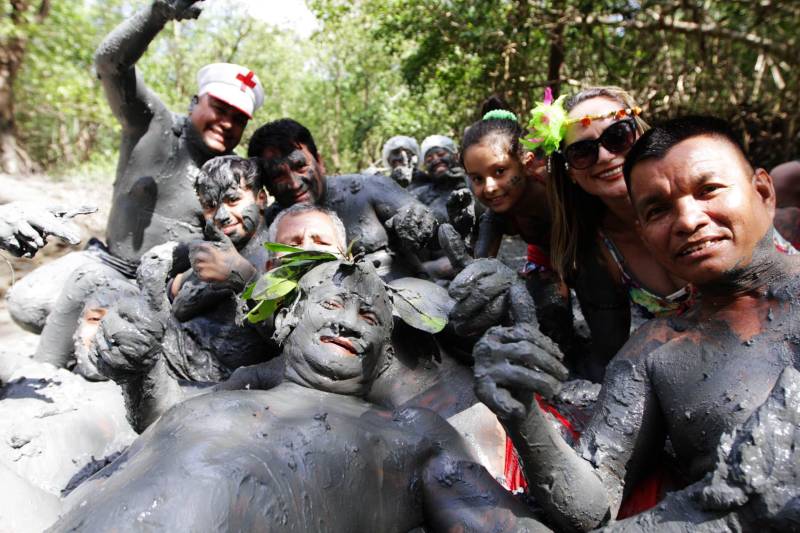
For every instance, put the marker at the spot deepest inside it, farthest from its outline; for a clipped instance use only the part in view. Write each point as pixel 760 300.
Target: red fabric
pixel 645 495
pixel 512 470
pixel 538 256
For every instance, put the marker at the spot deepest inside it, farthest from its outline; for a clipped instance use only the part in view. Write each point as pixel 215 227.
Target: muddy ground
pixel 45 191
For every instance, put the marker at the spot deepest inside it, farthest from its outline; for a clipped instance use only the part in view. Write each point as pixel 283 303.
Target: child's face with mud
pixel 498 178
pixel 235 210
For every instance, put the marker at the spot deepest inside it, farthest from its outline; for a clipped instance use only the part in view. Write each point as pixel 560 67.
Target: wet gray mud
pixel 756 482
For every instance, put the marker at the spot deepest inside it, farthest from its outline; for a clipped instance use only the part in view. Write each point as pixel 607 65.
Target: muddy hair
pixel 285 135
pixel 505 129
pixel 227 171
pixel 576 215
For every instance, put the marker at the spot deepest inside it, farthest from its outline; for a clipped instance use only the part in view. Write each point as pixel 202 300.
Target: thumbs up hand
pixel 216 260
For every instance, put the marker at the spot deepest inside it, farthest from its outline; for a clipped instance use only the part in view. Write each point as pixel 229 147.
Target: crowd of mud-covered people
pixel 259 346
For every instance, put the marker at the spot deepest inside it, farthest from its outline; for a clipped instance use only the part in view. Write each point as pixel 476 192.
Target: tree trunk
pixel 13 158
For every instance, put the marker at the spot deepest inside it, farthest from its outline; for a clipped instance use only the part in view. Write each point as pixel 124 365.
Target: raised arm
pixel 132 102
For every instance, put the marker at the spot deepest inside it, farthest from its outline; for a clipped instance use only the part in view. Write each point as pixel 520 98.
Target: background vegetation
pixel 377 68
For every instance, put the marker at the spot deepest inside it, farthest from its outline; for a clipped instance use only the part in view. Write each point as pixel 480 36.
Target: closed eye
pixel 369 317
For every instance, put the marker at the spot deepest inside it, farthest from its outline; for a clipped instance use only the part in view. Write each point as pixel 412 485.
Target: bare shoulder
pixel 651 336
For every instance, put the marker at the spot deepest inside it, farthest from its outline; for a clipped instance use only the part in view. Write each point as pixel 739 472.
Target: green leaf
pixel 263 311
pixel 278 247
pixel 270 288
pixel 248 291
pixel 311 255
pixel 417 311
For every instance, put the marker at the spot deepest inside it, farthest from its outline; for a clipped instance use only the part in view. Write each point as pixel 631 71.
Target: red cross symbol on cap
pixel 247 80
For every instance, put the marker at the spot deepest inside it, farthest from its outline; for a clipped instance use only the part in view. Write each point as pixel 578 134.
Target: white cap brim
pixel 232 96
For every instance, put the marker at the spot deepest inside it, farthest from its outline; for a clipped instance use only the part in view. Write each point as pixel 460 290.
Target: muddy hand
pixel 480 289
pixel 217 261
pixel 128 340
pixel 511 364
pixel 461 211
pixel 181 9
pixel 414 225
pixel 24 227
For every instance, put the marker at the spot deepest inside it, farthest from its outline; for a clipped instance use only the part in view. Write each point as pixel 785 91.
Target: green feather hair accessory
pixel 500 114
pixel 548 124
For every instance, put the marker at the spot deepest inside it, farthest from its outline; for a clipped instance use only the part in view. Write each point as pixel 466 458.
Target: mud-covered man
pixel 382 220
pixel 706 214
pixel 309 454
pixel 160 359
pixel 160 155
pixel 400 157
pixel 445 191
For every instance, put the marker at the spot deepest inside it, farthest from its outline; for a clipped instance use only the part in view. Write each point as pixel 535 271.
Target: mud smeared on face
pixel 228 190
pixel 294 178
pixel 337 335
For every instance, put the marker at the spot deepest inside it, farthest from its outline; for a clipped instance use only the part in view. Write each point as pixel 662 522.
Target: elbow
pixel 579 504
pixel 104 63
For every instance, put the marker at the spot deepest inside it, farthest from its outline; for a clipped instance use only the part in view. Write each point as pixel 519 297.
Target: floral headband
pixel 549 121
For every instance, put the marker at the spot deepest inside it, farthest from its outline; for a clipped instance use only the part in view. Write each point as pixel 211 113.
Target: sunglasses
pixel 616 138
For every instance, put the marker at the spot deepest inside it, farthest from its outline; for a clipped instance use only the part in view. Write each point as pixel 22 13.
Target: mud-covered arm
pixel 462 496
pixel 403 215
pixel 490 235
pixel 131 101
pixel 580 490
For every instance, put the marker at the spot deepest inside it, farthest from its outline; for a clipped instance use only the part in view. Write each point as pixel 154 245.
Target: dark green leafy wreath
pixel 279 285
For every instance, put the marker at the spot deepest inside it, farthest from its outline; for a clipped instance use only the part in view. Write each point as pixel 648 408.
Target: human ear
pixel 262 196
pixel 285 322
pixel 762 182
pixel 534 167
pixel 322 171
pixel 193 102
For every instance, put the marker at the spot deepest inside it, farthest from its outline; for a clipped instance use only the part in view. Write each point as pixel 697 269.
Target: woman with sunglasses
pixel 594 244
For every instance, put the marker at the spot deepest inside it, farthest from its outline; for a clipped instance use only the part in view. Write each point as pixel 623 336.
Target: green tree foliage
pixel 733 58
pixel 378 68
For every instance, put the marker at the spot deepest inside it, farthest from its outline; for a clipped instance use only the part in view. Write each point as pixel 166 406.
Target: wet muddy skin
pixel 367 206
pixel 153 199
pixel 308 454
pixel 160 154
pixel 691 379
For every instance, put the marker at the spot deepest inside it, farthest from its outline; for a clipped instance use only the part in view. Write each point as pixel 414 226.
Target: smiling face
pixel 498 179
pixel 438 161
pixel 604 179
pixel 339 331
pixel 235 210
pixel 297 178
pixel 702 210
pixel 219 125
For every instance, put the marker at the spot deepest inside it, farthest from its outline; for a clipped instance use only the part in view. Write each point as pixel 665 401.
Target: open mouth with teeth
pixel 611 173
pixel 698 248
pixel 341 344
